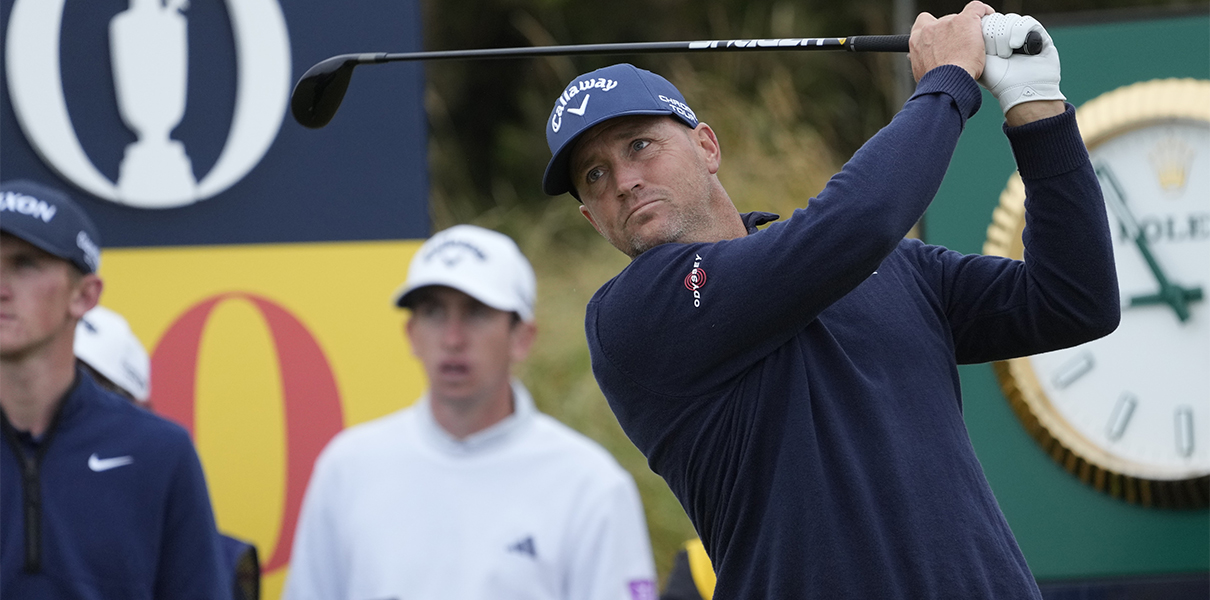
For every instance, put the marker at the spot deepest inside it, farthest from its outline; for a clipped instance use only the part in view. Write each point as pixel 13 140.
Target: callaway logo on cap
pixel 595 97
pixel 481 263
pixel 49 220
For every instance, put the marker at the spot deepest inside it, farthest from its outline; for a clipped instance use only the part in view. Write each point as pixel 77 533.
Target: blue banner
pixel 168 119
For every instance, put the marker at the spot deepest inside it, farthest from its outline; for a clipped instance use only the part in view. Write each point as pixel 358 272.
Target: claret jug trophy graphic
pixel 149 59
pixel 149 46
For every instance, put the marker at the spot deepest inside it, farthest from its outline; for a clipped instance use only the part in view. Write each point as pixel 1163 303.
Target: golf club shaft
pixel 318 94
pixel 863 43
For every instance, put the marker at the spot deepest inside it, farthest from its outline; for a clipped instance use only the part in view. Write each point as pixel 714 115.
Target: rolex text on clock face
pixel 1142 394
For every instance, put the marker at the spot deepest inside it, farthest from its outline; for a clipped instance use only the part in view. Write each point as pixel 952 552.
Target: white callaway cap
pixel 105 342
pixel 481 263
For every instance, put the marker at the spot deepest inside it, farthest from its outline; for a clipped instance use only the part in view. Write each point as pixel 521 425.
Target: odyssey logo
pixel 695 280
pixel 148 48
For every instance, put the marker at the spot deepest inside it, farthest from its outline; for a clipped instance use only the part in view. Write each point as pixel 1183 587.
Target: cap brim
pixel 41 244
pixel 405 294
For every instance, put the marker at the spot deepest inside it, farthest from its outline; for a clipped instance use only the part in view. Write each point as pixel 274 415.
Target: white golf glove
pixel 1016 78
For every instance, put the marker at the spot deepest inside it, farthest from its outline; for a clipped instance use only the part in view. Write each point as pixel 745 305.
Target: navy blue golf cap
pixel 596 97
pixel 48 219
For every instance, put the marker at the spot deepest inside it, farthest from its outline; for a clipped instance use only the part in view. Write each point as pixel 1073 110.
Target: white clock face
pixel 1142 394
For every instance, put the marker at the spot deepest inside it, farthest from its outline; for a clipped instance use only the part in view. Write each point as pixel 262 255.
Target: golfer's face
pixel 467 347
pixel 39 297
pixel 643 180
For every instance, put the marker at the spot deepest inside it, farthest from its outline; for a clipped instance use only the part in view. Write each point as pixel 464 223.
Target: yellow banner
pixel 264 352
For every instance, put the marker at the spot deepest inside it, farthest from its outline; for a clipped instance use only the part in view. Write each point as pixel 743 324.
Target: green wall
pixel 1066 529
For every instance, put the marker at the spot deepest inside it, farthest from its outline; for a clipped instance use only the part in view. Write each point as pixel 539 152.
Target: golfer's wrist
pixel 1028 112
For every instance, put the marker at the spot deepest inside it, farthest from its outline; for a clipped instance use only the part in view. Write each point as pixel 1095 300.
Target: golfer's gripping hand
pixel 1016 78
pixel 950 40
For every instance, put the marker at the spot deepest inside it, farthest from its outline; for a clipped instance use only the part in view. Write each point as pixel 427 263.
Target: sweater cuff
pixel 1048 147
pixel 955 82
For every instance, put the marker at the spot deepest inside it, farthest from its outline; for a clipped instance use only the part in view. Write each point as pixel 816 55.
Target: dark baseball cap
pixel 596 97
pixel 48 219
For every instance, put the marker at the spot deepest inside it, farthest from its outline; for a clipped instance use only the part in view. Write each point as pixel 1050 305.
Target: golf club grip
pixel 878 43
pixel 899 43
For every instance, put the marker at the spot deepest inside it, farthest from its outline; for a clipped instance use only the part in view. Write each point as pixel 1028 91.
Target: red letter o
pixel 311 400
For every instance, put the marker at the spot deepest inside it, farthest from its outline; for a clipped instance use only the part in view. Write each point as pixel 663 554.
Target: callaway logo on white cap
pixel 451 252
pixel 483 264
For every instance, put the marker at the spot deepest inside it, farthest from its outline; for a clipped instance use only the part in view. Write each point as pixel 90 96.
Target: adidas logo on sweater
pixel 525 546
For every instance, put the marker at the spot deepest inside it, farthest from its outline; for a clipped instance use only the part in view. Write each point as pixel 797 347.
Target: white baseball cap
pixel 481 263
pixel 105 342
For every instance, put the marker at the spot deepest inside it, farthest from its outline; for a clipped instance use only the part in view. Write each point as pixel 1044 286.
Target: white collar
pixel 492 437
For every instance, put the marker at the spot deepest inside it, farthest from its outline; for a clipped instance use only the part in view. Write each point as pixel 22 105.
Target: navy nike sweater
pixel 122 507
pixel 800 395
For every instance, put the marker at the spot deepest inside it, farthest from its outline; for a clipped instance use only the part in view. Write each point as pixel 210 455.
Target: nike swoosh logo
pixel 99 464
pixel 583 105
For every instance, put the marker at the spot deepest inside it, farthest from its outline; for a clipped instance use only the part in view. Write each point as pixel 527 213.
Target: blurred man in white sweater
pixel 470 493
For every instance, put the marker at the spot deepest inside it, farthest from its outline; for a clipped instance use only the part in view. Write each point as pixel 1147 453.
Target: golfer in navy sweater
pixel 797 386
pixel 98 498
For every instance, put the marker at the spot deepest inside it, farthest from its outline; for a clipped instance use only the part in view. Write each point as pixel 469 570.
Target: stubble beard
pixel 675 229
pixel 684 224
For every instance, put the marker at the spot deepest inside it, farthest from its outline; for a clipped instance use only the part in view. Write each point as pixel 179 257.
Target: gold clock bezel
pixel 1107 116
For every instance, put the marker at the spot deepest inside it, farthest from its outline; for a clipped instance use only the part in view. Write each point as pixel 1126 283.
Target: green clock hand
pixel 1171 294
pixel 1190 294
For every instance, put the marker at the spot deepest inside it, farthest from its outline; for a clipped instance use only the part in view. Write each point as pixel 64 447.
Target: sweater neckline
pixel 492 437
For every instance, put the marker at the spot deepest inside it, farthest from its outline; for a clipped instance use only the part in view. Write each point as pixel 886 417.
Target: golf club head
pixel 318 94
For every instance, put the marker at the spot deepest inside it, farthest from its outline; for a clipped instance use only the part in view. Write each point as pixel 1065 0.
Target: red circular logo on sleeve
pixel 695 279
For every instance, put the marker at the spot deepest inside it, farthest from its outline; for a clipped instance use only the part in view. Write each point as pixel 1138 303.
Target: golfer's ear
pixel 709 144
pixel 85 295
pixel 588 215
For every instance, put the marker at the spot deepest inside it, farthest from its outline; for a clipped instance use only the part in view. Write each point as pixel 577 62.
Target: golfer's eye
pixel 25 261
pixel 480 312
pixel 429 310
pixel 637 145
pixel 593 175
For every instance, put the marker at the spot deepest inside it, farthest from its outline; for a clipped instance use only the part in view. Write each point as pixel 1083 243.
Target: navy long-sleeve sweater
pixel 121 507
pixel 800 392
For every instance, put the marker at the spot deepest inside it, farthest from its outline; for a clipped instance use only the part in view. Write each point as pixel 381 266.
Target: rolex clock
pixel 1129 414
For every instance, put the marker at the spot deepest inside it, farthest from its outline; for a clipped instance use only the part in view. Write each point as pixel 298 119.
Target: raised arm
pixel 762 289
pixel 1065 291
